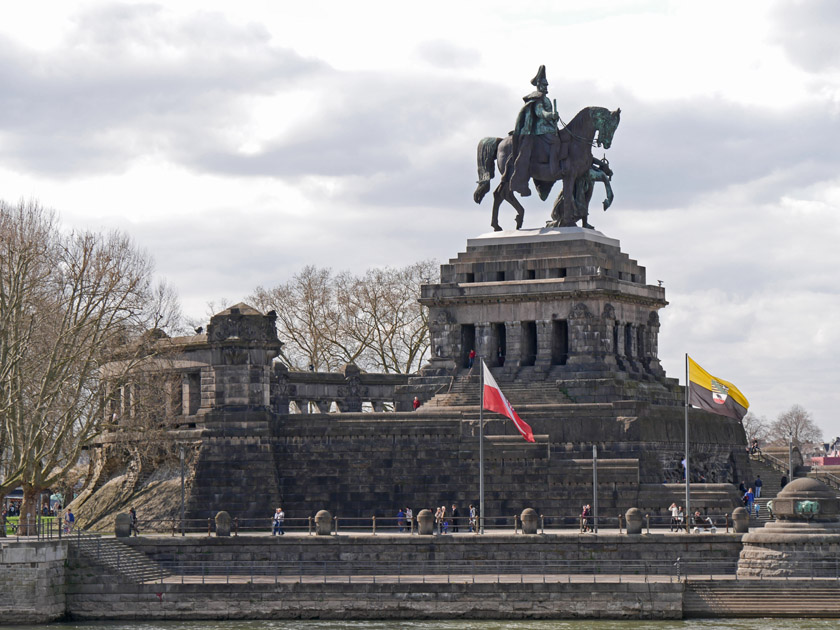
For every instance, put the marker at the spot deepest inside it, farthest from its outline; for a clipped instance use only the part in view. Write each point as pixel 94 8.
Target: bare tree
pixel 69 303
pixel 375 321
pixel 798 423
pixel 756 427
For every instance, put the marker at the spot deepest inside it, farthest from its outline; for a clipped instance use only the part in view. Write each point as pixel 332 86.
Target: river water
pixel 692 624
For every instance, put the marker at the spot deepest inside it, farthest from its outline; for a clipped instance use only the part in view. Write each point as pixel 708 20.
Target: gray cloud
pixel 442 53
pixel 127 82
pixel 808 33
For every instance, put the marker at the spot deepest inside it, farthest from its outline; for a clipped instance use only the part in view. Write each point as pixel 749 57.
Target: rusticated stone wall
pixel 376 601
pixel 411 553
pixel 32 581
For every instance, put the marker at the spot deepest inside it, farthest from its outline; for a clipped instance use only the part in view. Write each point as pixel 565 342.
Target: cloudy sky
pixel 240 141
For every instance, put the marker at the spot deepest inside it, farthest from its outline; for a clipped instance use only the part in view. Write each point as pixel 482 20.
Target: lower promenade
pixel 557 575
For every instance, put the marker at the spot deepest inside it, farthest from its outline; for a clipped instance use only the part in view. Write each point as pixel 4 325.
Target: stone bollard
pixel 529 521
pixel 425 523
pixel 323 523
pixel 633 516
pixel 122 526
pixel 223 524
pixel 740 520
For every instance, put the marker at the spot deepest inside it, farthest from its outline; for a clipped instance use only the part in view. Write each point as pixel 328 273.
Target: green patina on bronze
pixel 807 508
pixel 540 151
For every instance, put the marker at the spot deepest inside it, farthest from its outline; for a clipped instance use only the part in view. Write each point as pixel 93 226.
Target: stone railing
pixel 349 390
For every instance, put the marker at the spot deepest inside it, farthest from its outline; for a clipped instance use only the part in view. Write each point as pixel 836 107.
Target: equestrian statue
pixel 537 150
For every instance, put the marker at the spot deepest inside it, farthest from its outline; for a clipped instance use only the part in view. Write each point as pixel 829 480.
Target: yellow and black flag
pixel 714 394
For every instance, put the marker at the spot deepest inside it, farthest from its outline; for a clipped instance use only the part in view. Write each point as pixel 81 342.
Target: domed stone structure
pixel 803 541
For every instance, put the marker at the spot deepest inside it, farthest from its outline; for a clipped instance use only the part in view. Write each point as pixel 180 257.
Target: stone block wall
pixel 408 601
pixel 411 553
pixel 32 581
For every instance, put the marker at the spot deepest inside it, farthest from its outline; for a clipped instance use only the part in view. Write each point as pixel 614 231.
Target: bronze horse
pixel 576 139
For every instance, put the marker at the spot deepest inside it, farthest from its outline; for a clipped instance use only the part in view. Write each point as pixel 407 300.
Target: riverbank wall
pixel 394 577
pixel 33 581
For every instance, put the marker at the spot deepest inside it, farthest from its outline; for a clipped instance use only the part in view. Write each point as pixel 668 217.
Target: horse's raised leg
pixel 498 197
pixel 520 211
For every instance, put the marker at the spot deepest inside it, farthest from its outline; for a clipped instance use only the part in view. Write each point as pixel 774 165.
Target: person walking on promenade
pixel 454 519
pixel 757 484
pixel 749 501
pixel 69 521
pixel 409 518
pixel 401 520
pixel 472 519
pixel 132 522
pixel 279 518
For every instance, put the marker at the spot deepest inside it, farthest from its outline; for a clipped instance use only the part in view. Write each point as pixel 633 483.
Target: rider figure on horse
pixel 535 134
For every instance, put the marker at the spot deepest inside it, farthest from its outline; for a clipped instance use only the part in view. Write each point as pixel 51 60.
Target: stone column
pixel 544 341
pixel 185 394
pixel 633 350
pixel 513 341
pixel 653 344
pixel 484 344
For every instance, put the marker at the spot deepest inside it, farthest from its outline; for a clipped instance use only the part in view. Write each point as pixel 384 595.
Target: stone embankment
pixel 395 577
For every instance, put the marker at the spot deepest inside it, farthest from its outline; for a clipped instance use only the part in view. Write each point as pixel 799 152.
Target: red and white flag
pixel 494 400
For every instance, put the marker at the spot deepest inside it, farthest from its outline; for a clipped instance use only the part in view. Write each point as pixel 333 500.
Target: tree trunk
pixel 29 511
pixel 2 517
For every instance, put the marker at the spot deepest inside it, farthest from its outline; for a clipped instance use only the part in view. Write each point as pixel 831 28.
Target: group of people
pixel 404 516
pixel 749 495
pixel 454 519
pixel 677 517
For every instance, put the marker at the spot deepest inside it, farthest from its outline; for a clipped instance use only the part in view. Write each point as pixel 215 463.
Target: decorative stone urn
pixel 222 524
pixel 425 523
pixel 634 521
pixel 802 541
pixel 122 526
pixel 740 520
pixel 323 523
pixel 529 521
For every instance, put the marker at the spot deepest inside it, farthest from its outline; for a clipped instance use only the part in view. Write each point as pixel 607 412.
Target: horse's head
pixel 606 122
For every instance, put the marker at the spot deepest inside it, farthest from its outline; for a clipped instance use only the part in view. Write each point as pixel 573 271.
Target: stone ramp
pixel 117 558
pixel 772 598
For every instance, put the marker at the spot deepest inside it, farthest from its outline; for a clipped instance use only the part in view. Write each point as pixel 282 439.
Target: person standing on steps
pixel 757 485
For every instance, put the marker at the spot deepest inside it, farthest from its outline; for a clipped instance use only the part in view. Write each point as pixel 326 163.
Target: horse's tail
pixel 487 148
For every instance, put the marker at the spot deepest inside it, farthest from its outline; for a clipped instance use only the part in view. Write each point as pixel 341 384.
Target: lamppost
pixel 182 491
pixel 790 455
pixel 595 485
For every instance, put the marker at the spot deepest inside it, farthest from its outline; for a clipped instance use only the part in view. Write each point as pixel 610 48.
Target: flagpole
pixel 687 476
pixel 481 450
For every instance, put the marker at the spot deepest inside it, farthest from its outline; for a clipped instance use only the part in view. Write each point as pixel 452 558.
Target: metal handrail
pixel 390 525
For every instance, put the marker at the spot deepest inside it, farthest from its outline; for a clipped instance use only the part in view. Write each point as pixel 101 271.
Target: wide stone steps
pixel 727 598
pixel 118 558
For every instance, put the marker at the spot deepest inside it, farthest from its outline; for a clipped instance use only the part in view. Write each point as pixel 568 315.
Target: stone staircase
pixel 116 558
pixel 465 391
pixel 765 598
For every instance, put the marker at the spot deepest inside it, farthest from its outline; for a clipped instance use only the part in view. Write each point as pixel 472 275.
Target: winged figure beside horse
pixel 537 150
